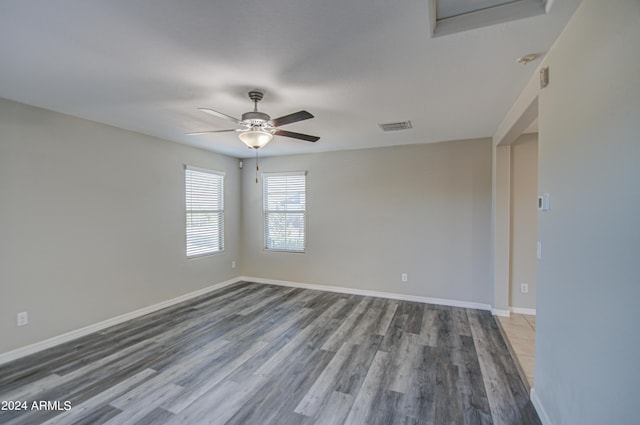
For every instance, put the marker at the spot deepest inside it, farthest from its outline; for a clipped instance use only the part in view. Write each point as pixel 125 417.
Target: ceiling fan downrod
pixel 255 96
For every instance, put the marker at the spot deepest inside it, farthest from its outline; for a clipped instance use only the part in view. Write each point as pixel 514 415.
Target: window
pixel 204 190
pixel 284 211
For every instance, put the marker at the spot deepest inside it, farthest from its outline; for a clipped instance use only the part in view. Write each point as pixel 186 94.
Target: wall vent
pixel 395 126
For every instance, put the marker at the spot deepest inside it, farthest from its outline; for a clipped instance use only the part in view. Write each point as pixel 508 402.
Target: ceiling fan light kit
pixel 255 139
pixel 256 129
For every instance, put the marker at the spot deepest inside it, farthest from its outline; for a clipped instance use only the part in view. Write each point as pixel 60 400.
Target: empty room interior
pixel 338 212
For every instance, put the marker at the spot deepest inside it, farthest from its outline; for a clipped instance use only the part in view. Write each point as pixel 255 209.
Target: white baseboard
pixel 502 313
pixel 519 310
pixel 367 293
pixel 542 414
pixel 77 333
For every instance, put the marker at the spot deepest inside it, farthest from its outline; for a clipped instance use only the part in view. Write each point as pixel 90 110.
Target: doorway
pixel 515 229
pixel 519 327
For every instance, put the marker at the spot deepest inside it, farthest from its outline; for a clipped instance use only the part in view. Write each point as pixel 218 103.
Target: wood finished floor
pixel 254 354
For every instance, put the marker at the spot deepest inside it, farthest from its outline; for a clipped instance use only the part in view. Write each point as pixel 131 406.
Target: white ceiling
pixel 147 65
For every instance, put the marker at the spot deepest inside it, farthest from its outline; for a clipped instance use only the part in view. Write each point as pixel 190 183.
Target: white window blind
pixel 204 191
pixel 284 211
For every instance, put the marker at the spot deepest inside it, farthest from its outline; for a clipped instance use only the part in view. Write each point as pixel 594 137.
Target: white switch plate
pixel 22 318
pixel 543 202
pixel 404 277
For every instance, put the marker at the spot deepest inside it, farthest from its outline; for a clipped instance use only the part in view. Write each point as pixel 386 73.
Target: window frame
pixel 265 244
pixel 221 212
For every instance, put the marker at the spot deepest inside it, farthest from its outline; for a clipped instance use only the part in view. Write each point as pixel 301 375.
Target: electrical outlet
pixel 22 318
pixel 524 288
pixel 233 264
pixel 404 277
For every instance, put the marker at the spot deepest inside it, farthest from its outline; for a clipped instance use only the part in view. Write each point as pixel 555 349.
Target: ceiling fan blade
pixel 291 118
pixel 198 133
pixel 220 115
pixel 295 135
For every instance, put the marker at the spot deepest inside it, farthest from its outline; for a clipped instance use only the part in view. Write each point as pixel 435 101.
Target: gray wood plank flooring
pixel 253 354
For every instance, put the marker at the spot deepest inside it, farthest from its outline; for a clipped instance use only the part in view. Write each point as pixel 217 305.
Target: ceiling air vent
pixel 395 126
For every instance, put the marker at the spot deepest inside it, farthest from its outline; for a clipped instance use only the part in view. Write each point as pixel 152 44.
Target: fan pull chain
pixel 257 167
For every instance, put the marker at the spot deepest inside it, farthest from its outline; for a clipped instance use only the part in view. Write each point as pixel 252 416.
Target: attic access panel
pixel 451 16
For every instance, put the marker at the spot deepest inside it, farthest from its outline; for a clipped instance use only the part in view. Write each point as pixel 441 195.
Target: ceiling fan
pixel 256 129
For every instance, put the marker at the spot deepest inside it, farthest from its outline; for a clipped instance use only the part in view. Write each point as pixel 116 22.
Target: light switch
pixel 543 202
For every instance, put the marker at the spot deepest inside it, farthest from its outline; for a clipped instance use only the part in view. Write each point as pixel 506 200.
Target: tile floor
pixel 520 330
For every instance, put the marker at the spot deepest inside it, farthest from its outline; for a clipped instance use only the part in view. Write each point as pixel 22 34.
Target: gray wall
pixel 92 223
pixel 524 217
pixel 373 214
pixel 588 342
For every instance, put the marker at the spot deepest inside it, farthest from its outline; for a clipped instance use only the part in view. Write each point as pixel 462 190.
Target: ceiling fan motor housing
pixel 255 117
